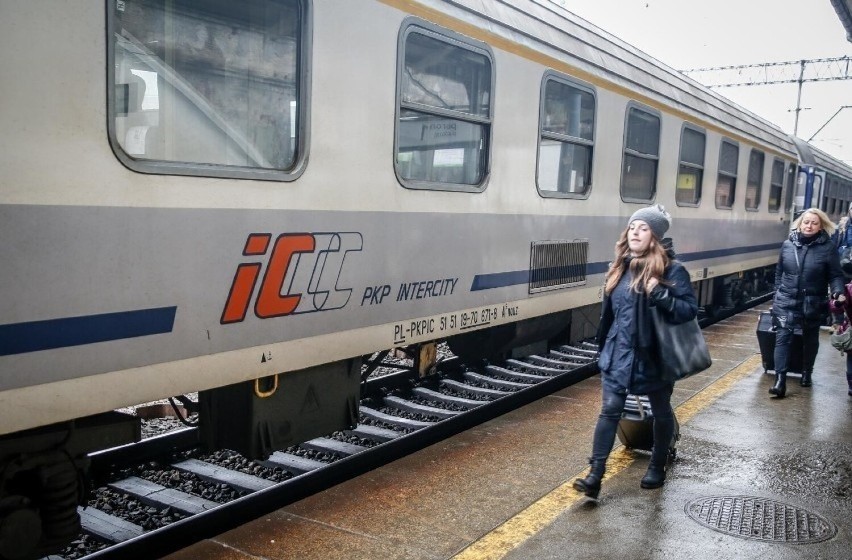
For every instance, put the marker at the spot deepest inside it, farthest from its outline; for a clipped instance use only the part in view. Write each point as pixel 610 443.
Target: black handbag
pixel 682 349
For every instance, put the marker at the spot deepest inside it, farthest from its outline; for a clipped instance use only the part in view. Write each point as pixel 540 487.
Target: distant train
pixel 246 198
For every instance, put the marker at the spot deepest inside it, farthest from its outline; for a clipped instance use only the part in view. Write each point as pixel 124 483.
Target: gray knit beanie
pixel 656 217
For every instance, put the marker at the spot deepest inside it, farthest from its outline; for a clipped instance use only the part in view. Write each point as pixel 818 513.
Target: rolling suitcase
pixel 636 427
pixel 766 341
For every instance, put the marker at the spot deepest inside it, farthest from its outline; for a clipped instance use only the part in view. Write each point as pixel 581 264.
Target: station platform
pixel 755 477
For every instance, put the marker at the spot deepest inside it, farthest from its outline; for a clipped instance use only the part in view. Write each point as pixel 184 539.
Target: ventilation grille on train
pixel 558 264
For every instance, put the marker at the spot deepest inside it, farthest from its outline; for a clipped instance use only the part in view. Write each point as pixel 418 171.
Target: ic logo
pixel 301 275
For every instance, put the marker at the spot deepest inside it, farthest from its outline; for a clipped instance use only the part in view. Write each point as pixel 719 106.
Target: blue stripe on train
pixel 513 278
pixel 20 338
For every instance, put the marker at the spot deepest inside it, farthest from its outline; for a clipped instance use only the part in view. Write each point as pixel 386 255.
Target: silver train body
pixel 194 197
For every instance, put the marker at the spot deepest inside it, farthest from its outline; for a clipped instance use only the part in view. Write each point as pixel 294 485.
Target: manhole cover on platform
pixel 761 519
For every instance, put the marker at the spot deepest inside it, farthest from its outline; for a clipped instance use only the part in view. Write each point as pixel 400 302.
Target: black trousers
pixel 612 406
pixel 810 346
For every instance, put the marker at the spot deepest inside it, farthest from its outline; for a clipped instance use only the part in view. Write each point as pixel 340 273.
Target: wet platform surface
pixel 756 477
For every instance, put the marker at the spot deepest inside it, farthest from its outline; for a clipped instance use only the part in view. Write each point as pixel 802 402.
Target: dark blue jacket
pixel 802 278
pixel 842 237
pixel 624 367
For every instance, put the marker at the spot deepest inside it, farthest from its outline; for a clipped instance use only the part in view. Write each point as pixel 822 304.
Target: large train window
pixel 209 88
pixel 776 185
pixel 641 155
pixel 726 181
pixel 754 181
pixel 443 111
pixel 690 172
pixel 566 141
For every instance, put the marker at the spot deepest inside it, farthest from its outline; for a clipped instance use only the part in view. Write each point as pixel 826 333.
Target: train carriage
pixel 245 199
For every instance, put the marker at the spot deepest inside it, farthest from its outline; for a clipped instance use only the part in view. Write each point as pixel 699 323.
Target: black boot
pixel 805 381
pixel 591 485
pixel 654 477
pixel 780 387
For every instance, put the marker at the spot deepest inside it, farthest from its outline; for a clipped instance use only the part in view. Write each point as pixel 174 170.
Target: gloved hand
pixel 661 297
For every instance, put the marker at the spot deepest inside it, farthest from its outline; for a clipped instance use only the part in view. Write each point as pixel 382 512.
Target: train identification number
pixel 460 321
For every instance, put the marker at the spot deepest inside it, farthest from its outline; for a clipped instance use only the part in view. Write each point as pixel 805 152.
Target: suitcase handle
pixel 640 407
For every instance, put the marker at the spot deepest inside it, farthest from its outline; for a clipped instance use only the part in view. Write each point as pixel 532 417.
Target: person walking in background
pixel 643 274
pixel 843 306
pixel 842 236
pixel 807 267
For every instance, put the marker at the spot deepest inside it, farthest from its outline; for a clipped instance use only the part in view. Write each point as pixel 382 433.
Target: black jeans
pixel 611 409
pixel 810 346
pixel 849 369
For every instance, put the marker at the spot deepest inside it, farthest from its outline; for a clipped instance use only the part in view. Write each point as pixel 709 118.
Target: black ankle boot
pixel 805 381
pixel 780 387
pixel 591 485
pixel 654 477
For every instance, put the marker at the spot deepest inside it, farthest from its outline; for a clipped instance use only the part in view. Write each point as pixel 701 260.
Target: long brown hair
pixel 651 264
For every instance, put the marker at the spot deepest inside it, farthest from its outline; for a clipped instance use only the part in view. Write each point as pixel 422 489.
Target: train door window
pixel 789 194
pixel 754 181
pixel 444 110
pixel 690 172
pixel 641 155
pixel 208 88
pixel 726 181
pixel 566 139
pixel 776 185
pixel 818 188
pixel 828 197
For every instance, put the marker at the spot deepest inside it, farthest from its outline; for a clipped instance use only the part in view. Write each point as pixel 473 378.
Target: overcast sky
pixel 688 34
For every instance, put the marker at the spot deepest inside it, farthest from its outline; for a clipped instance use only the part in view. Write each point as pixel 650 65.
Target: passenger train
pixel 243 199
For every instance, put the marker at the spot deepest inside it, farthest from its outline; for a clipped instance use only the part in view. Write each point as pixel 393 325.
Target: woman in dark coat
pixel 807 265
pixel 642 275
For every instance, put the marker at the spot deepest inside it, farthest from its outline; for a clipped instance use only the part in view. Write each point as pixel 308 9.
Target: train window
pixel 444 111
pixel 776 185
pixel 566 139
pixel 754 180
pixel 726 182
pixel 690 172
pixel 641 155
pixel 208 88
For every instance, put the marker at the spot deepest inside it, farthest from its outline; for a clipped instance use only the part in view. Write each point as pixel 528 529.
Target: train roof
pixel 811 155
pixel 545 27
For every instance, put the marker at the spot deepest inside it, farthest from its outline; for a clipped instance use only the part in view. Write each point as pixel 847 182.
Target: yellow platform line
pixel 527 523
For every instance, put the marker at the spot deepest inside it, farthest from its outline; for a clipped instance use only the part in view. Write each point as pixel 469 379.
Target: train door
pixel 809 187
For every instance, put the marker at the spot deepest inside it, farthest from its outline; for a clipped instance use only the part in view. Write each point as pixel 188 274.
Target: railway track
pixel 162 494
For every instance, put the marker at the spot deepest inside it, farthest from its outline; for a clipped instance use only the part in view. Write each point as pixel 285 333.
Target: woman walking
pixel 643 274
pixel 843 307
pixel 807 265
